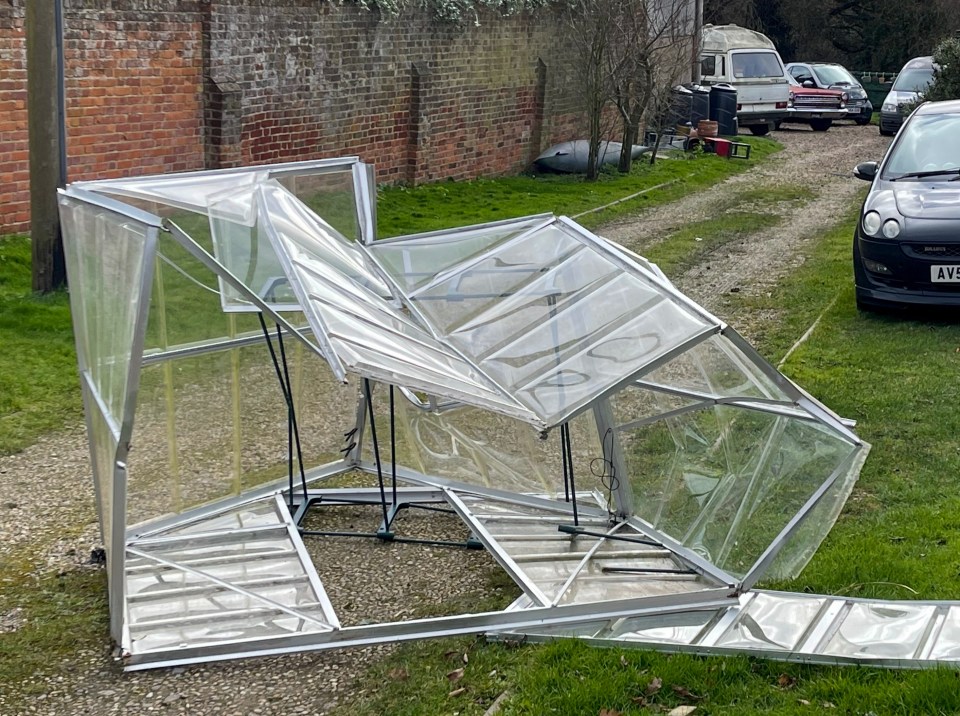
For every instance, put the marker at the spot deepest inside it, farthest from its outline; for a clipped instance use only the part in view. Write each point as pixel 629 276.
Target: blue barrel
pixel 723 109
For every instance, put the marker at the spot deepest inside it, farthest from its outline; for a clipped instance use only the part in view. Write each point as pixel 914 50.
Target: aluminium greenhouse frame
pixel 534 322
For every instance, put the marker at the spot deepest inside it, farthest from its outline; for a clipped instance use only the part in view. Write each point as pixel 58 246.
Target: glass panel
pixel 331 195
pixel 215 425
pixel 773 622
pixel 680 628
pixel 415 261
pixel 483 448
pixel 881 631
pixel 244 249
pixel 105 262
pixel 717 368
pixel 726 481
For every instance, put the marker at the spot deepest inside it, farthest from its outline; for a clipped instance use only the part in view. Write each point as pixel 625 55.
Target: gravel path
pixel 56 518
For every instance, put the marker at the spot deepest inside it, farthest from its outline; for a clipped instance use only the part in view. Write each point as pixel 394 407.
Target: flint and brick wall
pixel 158 86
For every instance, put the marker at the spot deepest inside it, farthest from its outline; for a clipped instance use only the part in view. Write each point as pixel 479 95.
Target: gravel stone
pixel 55 518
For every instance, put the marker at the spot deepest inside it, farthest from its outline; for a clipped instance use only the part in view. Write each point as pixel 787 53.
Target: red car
pixel 814 106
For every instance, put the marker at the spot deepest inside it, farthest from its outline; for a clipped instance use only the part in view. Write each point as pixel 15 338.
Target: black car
pixel 906 248
pixel 830 75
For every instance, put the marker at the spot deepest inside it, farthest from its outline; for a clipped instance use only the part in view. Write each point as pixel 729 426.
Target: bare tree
pixel 625 50
pixel 650 52
pixel 589 23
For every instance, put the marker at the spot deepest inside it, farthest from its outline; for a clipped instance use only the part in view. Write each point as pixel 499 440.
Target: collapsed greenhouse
pixel 254 360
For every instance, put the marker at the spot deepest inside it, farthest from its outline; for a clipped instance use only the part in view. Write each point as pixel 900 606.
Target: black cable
pixel 568 451
pixel 292 415
pixel 376 452
pixel 393 448
pixel 566 475
pixel 286 397
pixel 608 473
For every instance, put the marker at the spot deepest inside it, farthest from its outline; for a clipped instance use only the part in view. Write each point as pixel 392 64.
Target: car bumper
pixel 805 115
pixel 860 111
pixel 746 118
pixel 890 121
pixel 909 279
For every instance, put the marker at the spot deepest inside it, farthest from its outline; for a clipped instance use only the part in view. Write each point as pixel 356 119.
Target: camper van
pixel 749 62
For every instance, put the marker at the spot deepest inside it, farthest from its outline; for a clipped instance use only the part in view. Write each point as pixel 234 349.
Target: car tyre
pixel 759 130
pixel 820 125
pixel 776 125
pixel 862 121
pixel 886 132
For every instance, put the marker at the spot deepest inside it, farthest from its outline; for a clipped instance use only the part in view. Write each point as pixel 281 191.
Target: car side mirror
pixel 808 83
pixel 866 170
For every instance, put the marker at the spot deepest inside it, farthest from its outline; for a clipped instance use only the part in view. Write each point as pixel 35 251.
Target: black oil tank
pixel 723 109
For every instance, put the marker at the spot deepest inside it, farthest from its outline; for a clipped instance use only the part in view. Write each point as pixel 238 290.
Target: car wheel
pixel 861 121
pixel 820 125
pixel 776 125
pixel 758 130
pixel 886 132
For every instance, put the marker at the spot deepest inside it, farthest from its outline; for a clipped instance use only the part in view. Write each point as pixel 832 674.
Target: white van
pixel 749 62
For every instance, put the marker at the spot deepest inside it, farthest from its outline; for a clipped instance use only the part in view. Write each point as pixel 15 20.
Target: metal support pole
pixel 47 142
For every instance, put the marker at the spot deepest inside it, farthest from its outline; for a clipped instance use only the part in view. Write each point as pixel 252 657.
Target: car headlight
pixel 891 228
pixel 889 107
pixel 871 223
pixel 844 97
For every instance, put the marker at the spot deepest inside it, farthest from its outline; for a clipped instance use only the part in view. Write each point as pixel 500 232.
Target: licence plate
pixel 942 273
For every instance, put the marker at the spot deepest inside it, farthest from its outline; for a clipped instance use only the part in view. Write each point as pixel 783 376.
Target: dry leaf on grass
pixel 609 712
pixel 684 692
pixel 398 674
pixel 785 681
pixel 455 675
pixel 682 711
pixel 457 692
pixel 654 686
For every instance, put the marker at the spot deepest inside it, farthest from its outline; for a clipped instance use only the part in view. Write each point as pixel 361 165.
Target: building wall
pixel 158 86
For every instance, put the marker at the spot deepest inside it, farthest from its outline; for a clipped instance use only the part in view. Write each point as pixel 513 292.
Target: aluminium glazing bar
pixel 497 552
pixel 191 350
pixel 118 525
pixel 306 562
pixel 369 634
pixel 74 191
pixel 542 503
pixel 466 231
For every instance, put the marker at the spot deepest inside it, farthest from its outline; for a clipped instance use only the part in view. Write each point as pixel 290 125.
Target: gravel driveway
pixel 56 519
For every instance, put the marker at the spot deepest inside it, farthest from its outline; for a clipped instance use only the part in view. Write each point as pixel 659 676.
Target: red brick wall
pixel 14 165
pixel 133 77
pixel 216 83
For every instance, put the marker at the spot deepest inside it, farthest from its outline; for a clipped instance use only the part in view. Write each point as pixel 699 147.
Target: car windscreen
pixel 928 142
pixel 833 75
pixel 914 80
pixel 747 65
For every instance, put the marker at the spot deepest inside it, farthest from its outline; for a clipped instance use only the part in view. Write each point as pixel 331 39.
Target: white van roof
pixel 721 38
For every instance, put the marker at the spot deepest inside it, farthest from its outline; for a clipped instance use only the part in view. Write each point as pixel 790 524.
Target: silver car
pixel 913 79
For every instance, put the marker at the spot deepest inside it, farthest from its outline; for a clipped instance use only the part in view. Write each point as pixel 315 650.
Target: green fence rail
pixel 877 84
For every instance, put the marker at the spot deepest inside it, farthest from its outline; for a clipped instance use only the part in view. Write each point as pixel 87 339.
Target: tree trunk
pixel 630 132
